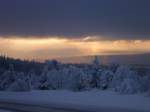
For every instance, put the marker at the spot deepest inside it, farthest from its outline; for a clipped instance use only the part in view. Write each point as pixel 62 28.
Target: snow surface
pixel 4 111
pixel 90 99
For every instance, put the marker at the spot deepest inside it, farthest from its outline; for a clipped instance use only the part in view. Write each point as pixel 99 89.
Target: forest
pixel 23 75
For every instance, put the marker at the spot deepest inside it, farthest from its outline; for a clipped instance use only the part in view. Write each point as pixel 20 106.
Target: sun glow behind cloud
pixel 53 47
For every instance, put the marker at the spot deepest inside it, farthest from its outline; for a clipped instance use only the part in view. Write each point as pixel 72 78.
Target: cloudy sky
pixel 41 29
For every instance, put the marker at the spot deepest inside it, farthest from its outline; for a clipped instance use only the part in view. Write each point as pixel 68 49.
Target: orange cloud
pixel 53 47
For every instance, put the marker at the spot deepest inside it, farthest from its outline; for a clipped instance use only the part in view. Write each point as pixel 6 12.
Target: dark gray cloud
pixel 127 19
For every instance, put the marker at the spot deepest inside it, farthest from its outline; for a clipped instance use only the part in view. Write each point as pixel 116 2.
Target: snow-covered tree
pixel 129 86
pixel 85 81
pixel 68 77
pixel 42 79
pixel 106 79
pixel 16 75
pixel 52 64
pixel 145 83
pixel 96 61
pixel 121 73
pixel 21 83
pixel 34 80
pixel 126 81
pixel 53 80
pixel 7 78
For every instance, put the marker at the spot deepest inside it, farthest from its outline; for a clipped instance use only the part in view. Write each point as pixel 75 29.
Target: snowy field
pixel 4 110
pixel 55 86
pixel 91 100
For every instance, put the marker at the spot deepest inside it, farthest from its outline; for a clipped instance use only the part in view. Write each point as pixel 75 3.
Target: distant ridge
pixel 109 59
